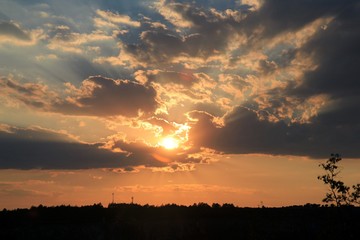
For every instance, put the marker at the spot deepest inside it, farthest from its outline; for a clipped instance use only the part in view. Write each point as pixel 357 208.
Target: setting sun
pixel 169 143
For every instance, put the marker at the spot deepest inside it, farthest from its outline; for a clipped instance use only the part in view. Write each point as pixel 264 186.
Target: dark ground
pixel 200 221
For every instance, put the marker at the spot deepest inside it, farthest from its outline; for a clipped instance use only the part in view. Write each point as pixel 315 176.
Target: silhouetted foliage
pixel 339 193
pixel 170 221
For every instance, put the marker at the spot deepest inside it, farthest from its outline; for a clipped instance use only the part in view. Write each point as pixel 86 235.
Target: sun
pixel 169 143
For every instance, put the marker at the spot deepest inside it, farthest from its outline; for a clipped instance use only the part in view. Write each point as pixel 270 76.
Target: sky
pixel 176 101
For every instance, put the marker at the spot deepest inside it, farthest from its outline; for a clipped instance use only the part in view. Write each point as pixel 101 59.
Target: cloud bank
pixel 37 148
pixel 266 77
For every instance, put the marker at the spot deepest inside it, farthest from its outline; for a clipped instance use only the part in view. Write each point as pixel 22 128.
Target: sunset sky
pixel 176 101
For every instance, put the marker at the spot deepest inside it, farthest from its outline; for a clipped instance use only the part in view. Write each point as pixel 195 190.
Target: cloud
pixel 12 33
pixel 62 38
pixel 180 91
pixel 234 85
pixel 232 32
pixel 255 4
pixel 139 150
pixel 285 69
pixel 275 17
pixel 247 131
pixel 161 46
pixel 335 52
pixel 102 96
pixel 308 70
pixel 172 13
pixel 167 127
pixel 313 110
pixel 117 18
pixel 32 94
pixel 12 30
pixel 38 148
pixel 97 96
pixel 166 77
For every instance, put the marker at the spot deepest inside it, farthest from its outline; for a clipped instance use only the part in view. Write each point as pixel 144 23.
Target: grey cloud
pixel 98 96
pixel 11 30
pixel 155 47
pixel 337 52
pixel 28 90
pixel 245 133
pixel 3 17
pixel 211 108
pixel 83 68
pixel 110 97
pixel 163 77
pixel 32 94
pixel 267 67
pixel 36 148
pixel 211 30
pixel 284 59
pixel 156 154
pixel 167 127
pixel 279 16
pixel 207 37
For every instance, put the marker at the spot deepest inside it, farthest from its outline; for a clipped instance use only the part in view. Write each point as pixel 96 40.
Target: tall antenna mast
pixel 132 200
pixel 113 194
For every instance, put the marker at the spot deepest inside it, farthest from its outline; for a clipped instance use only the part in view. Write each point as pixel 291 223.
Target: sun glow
pixel 169 143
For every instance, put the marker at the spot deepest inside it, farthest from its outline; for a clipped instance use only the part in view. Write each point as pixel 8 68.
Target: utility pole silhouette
pixel 132 200
pixel 113 196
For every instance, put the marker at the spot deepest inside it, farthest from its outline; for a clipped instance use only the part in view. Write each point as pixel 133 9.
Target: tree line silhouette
pixel 171 221
pixel 197 221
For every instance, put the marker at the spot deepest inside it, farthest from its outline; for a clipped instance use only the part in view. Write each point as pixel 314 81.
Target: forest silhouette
pixel 338 218
pixel 198 221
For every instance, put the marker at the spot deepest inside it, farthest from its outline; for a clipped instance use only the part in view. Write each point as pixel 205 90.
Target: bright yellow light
pixel 169 143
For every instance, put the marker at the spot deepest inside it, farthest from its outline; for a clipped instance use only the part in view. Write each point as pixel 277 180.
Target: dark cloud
pixel 41 149
pixel 187 31
pixel 10 29
pixel 27 89
pixel 155 47
pixel 166 126
pixel 164 77
pixel 35 148
pixel 208 35
pixel 278 16
pixel 4 17
pixel 335 126
pixel 336 52
pixel 32 94
pixel 218 4
pixel 83 68
pixel 209 31
pixel 139 150
pixel 267 67
pixel 98 96
pixel 101 96
pixel 244 133
pixel 211 108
